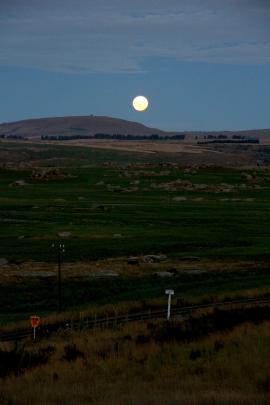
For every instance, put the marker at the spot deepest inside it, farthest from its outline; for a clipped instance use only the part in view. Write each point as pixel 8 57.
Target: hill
pixel 80 125
pixel 92 125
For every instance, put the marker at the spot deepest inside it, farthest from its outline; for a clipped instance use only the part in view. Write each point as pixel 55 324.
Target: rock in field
pixel 3 261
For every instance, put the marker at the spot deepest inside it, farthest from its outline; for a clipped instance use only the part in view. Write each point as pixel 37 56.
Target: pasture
pixel 210 223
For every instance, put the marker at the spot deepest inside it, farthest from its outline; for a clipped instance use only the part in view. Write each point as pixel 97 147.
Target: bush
pixel 72 353
pixel 17 361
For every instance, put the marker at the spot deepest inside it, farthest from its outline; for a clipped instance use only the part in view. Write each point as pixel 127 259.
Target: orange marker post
pixel 35 321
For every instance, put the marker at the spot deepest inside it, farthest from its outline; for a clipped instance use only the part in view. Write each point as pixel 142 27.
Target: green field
pixel 149 220
pixel 121 211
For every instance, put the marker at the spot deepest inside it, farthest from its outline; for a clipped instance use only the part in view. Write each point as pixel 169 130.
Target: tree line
pixel 128 137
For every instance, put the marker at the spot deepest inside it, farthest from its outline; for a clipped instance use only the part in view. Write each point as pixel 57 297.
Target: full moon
pixel 140 103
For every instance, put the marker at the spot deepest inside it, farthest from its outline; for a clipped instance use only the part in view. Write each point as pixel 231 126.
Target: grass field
pixel 130 208
pixel 213 358
pixel 204 223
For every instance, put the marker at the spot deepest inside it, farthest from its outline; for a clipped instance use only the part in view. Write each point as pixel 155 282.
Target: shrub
pixel 72 353
pixel 18 361
pixel 194 354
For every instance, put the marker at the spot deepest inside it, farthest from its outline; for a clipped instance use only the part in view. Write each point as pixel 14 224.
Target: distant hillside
pixel 85 126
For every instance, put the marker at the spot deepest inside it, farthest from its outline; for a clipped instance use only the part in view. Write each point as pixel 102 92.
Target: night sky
pixel 204 65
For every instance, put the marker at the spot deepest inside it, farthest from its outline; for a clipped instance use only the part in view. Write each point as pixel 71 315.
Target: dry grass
pixel 93 312
pixel 120 367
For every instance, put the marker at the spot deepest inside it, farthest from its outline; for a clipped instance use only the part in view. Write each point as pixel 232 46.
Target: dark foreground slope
pixel 147 363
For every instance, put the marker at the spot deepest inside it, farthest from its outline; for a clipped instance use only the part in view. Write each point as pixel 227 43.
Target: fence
pixel 108 322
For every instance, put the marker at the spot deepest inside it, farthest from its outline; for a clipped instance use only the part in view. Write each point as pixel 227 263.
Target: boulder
pixel 153 258
pixel 133 260
pixel 104 274
pixel 64 234
pixel 198 199
pixel 246 176
pixel 164 274
pixel 3 261
pixel 18 183
pixel 180 198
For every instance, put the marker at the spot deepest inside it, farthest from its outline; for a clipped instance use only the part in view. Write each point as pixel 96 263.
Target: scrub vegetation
pixel 212 358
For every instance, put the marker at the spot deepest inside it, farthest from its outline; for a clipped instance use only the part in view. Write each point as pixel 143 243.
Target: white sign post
pixel 169 293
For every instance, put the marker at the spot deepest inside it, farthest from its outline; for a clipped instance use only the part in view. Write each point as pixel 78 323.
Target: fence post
pixel 115 319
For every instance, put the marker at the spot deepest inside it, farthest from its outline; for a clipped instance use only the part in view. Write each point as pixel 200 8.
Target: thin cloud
pixel 98 36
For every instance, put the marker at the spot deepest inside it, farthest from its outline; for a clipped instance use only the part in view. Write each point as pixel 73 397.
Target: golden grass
pixel 232 368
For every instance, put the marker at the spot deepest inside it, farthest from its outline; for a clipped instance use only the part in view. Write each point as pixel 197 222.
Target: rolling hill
pixel 91 125
pixel 79 125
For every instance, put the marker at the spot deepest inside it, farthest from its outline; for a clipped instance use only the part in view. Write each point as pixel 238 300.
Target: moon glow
pixel 140 103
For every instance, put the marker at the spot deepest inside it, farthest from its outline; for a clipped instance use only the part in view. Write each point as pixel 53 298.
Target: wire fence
pixel 45 330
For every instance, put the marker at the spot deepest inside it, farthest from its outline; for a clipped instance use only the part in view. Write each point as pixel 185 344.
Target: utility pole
pixel 60 252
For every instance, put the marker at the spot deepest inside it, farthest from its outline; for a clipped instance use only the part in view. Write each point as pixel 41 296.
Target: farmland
pixel 133 225
pixel 208 225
